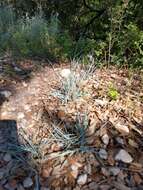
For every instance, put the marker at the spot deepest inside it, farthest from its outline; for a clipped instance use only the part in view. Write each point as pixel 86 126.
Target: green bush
pixel 33 36
pixel 7 21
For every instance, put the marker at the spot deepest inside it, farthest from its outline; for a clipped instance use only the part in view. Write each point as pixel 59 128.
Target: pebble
pixel 123 156
pixel 7 157
pixel 65 73
pixel 25 84
pixel 122 129
pixel 103 154
pixel 27 182
pixel 105 138
pixel 17 69
pixel 6 93
pixel 114 170
pixel 82 179
pixel 20 115
pixel 120 140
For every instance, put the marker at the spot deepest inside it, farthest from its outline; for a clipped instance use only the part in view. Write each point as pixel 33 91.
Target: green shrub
pixel 30 36
pixel 34 36
pixel 7 21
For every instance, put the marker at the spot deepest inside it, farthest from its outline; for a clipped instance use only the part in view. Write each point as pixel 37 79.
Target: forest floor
pixel 70 127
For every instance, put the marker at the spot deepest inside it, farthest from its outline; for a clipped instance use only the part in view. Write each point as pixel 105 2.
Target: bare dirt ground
pixel 112 157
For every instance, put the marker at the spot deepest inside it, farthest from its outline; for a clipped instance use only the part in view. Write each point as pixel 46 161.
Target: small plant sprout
pixel 113 93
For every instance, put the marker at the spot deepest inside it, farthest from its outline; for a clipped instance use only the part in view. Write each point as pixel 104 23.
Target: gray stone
pixel 103 154
pixel 105 138
pixel 7 157
pixel 27 182
pixel 6 93
pixel 114 170
pixel 82 179
pixel 123 156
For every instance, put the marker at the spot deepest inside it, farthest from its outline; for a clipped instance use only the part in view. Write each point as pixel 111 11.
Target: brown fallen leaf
pixel 137 178
pixel 136 166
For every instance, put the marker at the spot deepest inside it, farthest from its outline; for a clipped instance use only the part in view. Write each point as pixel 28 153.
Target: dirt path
pixel 24 103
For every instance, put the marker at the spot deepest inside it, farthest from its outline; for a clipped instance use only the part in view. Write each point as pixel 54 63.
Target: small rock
pixel 25 84
pixel 27 182
pixel 114 170
pixel 124 156
pixel 82 179
pixel 6 93
pixel 20 115
pixel 105 138
pixel 120 140
pixel 103 154
pixel 17 69
pixel 7 157
pixel 122 129
pixel 88 168
pixel 65 73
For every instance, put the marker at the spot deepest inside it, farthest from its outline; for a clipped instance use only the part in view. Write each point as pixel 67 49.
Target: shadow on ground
pixel 14 167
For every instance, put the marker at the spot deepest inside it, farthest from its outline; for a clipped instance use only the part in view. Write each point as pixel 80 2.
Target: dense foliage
pixel 108 31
